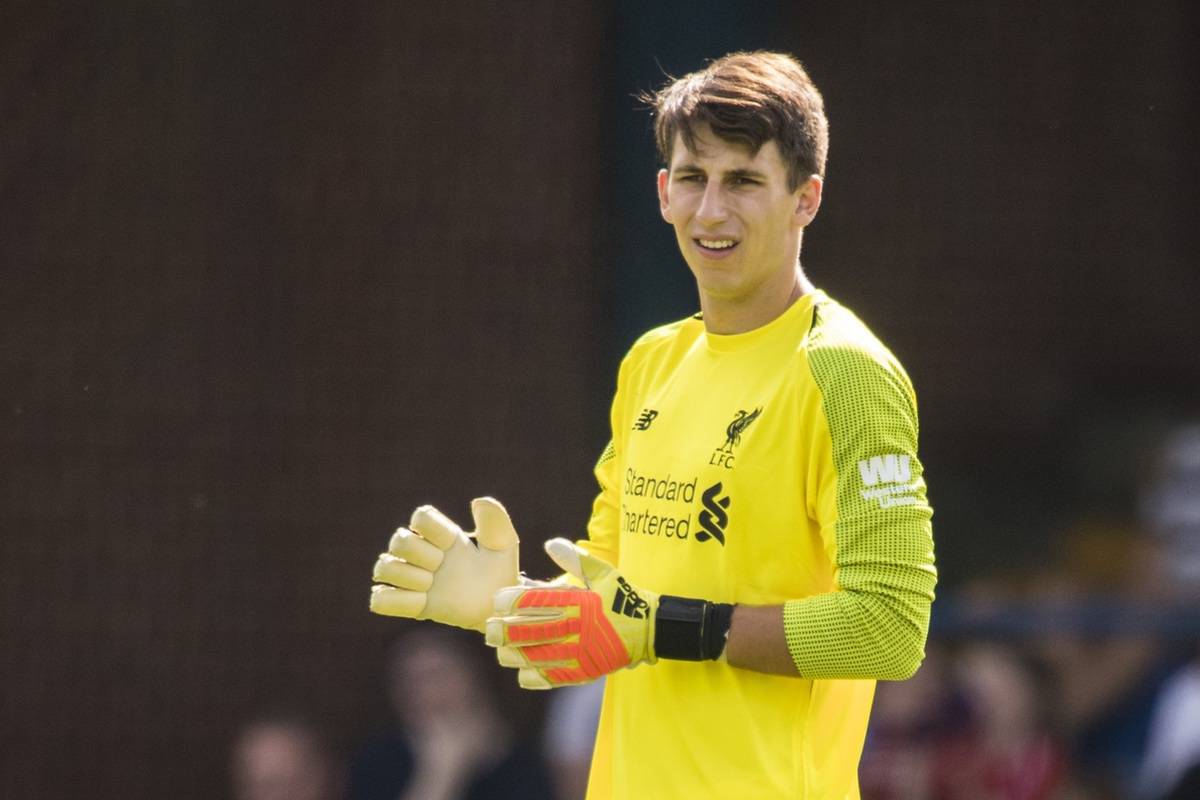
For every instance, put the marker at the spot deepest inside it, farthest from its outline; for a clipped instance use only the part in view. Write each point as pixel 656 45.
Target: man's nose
pixel 712 210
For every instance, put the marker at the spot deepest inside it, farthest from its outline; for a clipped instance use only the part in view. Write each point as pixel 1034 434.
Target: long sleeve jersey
pixel 777 466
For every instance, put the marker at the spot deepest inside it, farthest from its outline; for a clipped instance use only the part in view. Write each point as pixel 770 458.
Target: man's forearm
pixel 757 641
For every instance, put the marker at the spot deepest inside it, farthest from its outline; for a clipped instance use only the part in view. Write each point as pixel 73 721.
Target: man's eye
pixel 744 182
pixel 692 178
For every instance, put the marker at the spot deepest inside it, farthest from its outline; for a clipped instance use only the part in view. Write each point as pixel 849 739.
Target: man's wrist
pixel 691 630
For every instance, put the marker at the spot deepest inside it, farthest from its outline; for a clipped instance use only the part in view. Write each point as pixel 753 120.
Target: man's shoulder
pixel 835 327
pixel 663 337
pixel 840 343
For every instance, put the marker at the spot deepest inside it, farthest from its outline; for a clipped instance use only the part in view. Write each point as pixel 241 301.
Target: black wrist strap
pixel 690 630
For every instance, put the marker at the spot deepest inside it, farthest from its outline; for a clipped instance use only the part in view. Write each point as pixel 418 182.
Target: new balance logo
pixel 713 518
pixel 885 469
pixel 626 601
pixel 643 422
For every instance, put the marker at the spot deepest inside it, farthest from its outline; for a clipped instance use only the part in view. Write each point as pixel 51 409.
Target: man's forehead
pixel 710 150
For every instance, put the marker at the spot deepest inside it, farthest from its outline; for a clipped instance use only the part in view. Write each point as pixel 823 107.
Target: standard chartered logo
pixel 713 518
pixel 662 506
pixel 672 525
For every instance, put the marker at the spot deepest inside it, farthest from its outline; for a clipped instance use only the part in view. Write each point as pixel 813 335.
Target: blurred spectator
pixel 570 735
pixel 1112 683
pixel 284 758
pixel 1170 509
pixel 910 721
pixel 1009 752
pixel 1172 757
pixel 1105 666
pixel 449 740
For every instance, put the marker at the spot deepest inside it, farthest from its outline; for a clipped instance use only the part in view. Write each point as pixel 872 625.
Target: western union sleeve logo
pixel 885 469
pixel 888 479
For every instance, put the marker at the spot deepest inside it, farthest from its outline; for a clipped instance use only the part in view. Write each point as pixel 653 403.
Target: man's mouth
pixel 716 245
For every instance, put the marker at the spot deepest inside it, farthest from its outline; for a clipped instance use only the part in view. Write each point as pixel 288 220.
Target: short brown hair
pixel 750 99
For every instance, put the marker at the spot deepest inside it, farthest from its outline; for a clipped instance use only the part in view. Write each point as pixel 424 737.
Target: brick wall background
pixel 273 276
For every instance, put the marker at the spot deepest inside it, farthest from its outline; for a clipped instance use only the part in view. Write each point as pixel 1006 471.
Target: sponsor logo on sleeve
pixel 888 479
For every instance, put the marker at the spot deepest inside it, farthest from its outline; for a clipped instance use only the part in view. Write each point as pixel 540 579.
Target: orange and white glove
pixel 432 570
pixel 559 635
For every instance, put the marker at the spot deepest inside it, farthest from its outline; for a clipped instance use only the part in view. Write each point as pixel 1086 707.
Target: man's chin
pixel 723 287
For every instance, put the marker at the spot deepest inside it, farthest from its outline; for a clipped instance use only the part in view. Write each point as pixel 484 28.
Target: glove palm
pixel 434 571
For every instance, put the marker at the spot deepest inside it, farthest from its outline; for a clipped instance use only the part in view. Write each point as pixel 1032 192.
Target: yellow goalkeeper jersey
pixel 777 466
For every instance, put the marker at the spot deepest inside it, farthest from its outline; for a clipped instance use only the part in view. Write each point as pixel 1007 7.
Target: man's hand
pixel 560 635
pixel 433 570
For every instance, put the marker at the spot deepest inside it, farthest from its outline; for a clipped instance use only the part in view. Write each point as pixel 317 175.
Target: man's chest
pixel 712 490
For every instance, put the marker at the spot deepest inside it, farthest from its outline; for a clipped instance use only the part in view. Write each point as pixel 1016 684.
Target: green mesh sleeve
pixel 874 625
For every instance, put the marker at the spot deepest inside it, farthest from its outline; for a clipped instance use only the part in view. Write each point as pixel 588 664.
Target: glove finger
pixel 392 602
pixel 503 630
pixel 563 659
pixel 511 657
pixel 566 555
pixel 577 561
pixel 493 527
pixel 493 632
pixel 540 601
pixel 436 527
pixel 505 600
pixel 415 550
pixel 524 630
pixel 552 655
pixel 532 679
pixel 401 574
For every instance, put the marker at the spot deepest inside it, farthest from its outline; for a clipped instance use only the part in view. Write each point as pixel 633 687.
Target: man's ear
pixel 664 203
pixel 808 200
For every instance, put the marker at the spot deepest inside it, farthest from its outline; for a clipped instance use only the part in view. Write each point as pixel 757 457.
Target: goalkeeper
pixel 761 542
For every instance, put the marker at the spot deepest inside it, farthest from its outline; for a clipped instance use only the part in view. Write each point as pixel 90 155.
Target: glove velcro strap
pixel 690 630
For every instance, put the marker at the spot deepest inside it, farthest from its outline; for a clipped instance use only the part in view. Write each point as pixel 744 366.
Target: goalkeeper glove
pixel 559 635
pixel 434 571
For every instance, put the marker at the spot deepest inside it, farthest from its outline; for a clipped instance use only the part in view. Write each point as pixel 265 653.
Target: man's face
pixel 737 223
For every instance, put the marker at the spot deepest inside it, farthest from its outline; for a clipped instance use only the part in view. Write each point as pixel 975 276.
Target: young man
pixel 761 539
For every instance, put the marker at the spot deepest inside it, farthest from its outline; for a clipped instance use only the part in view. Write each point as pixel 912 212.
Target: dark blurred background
pixel 276 273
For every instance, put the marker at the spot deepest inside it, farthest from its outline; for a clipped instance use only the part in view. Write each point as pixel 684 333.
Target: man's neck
pixel 723 317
